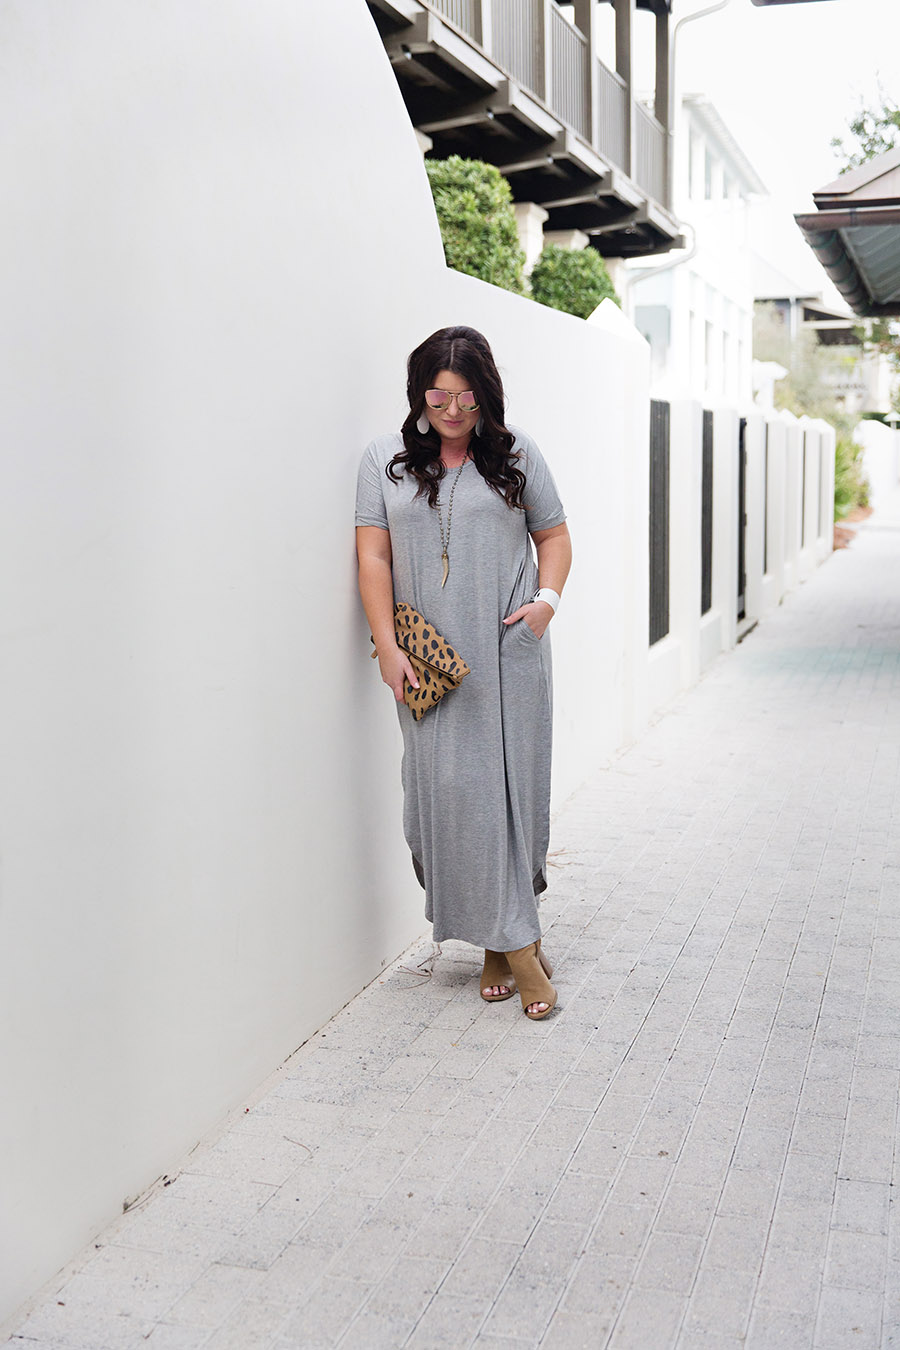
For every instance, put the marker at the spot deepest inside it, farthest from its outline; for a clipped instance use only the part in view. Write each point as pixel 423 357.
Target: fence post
pixel 546 40
pixel 725 519
pixel 755 536
pixel 776 488
pixel 485 36
pixel 825 542
pixel 793 497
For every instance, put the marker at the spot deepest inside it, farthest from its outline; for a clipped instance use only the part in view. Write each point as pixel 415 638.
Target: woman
pixel 444 513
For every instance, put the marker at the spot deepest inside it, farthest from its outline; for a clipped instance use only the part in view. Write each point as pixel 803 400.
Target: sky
pixel 786 79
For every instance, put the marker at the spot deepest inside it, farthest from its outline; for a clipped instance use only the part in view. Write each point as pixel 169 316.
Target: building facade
pixel 696 308
pixel 537 89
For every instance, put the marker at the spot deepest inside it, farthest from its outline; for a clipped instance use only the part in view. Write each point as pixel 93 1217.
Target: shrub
pixel 851 487
pixel 478 224
pixel 574 280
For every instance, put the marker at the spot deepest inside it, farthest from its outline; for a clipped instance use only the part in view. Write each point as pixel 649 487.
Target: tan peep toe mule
pixel 532 972
pixel 496 972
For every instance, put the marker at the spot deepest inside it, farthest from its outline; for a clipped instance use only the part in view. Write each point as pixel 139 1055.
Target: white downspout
pixel 636 275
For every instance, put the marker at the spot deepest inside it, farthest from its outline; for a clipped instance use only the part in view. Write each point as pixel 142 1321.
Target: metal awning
pixel 855 234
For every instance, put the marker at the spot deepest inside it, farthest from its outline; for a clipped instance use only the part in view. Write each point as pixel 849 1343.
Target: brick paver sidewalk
pixel 696 1150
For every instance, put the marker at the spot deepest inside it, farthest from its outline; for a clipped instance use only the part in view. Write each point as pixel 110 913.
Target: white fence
pixel 785 512
pixel 200 799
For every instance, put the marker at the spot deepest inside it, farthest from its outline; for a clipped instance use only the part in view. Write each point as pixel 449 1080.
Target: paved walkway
pixel 697 1150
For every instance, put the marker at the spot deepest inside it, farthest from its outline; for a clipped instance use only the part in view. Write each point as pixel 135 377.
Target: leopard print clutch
pixel 438 667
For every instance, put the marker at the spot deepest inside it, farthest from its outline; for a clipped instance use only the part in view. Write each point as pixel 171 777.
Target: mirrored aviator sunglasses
pixel 439 399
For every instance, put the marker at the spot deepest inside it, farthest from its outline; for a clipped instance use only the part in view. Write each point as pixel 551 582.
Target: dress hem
pixel 538 881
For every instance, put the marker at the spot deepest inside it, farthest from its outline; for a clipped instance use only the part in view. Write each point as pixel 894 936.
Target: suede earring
pixel 479 425
pixel 423 424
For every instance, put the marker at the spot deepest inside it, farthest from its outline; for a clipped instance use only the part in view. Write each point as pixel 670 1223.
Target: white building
pixel 862 381
pixel 696 307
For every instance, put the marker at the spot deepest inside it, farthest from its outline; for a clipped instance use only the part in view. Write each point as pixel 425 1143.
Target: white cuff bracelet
pixel 549 597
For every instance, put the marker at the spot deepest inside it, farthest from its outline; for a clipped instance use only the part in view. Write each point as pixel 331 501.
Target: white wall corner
pixel 609 316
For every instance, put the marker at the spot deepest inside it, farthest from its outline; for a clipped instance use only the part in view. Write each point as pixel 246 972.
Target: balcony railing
pixel 650 153
pixel 612 115
pixel 464 13
pixel 569 85
pixel 549 57
pixel 518 40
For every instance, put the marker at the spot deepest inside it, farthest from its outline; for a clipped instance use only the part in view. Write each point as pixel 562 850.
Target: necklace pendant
pixel 446 562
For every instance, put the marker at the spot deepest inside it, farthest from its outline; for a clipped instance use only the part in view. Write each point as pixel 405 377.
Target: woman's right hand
pixel 395 667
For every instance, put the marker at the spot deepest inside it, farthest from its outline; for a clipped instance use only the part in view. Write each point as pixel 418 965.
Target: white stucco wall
pixel 211 270
pixel 881 459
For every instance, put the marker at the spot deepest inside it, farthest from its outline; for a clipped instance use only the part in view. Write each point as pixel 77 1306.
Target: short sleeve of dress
pixel 543 508
pixel 370 507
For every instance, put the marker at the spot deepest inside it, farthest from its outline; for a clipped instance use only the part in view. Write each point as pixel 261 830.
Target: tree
pixel 809 389
pixel 478 224
pixel 874 131
pixel 574 280
pixel 883 335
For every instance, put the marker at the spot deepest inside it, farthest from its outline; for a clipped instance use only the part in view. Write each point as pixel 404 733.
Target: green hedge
pixel 478 224
pixel 851 487
pixel 574 280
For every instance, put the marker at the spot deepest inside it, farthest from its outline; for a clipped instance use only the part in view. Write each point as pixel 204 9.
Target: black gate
pixel 659 520
pixel 706 515
pixel 742 521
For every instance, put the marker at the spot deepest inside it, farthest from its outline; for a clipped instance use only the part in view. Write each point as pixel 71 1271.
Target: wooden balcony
pixel 513 82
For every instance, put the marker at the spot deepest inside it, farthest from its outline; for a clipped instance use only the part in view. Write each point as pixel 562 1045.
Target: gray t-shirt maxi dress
pixel 476 768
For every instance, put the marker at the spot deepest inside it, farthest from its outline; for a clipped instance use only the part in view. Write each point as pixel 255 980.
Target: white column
pixel 530 223
pixel 793 460
pixel 755 443
pixel 571 239
pixel 776 487
pixel 809 496
pixel 825 530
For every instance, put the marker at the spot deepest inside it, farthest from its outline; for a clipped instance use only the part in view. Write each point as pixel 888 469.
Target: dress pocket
pixel 526 632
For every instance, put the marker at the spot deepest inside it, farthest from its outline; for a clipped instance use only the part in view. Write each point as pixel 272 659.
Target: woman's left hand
pixel 537 614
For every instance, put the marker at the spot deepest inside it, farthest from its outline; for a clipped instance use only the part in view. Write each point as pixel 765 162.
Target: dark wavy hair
pixel 465 352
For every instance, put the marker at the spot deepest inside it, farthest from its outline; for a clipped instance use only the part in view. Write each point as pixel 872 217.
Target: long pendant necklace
pixel 445 543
